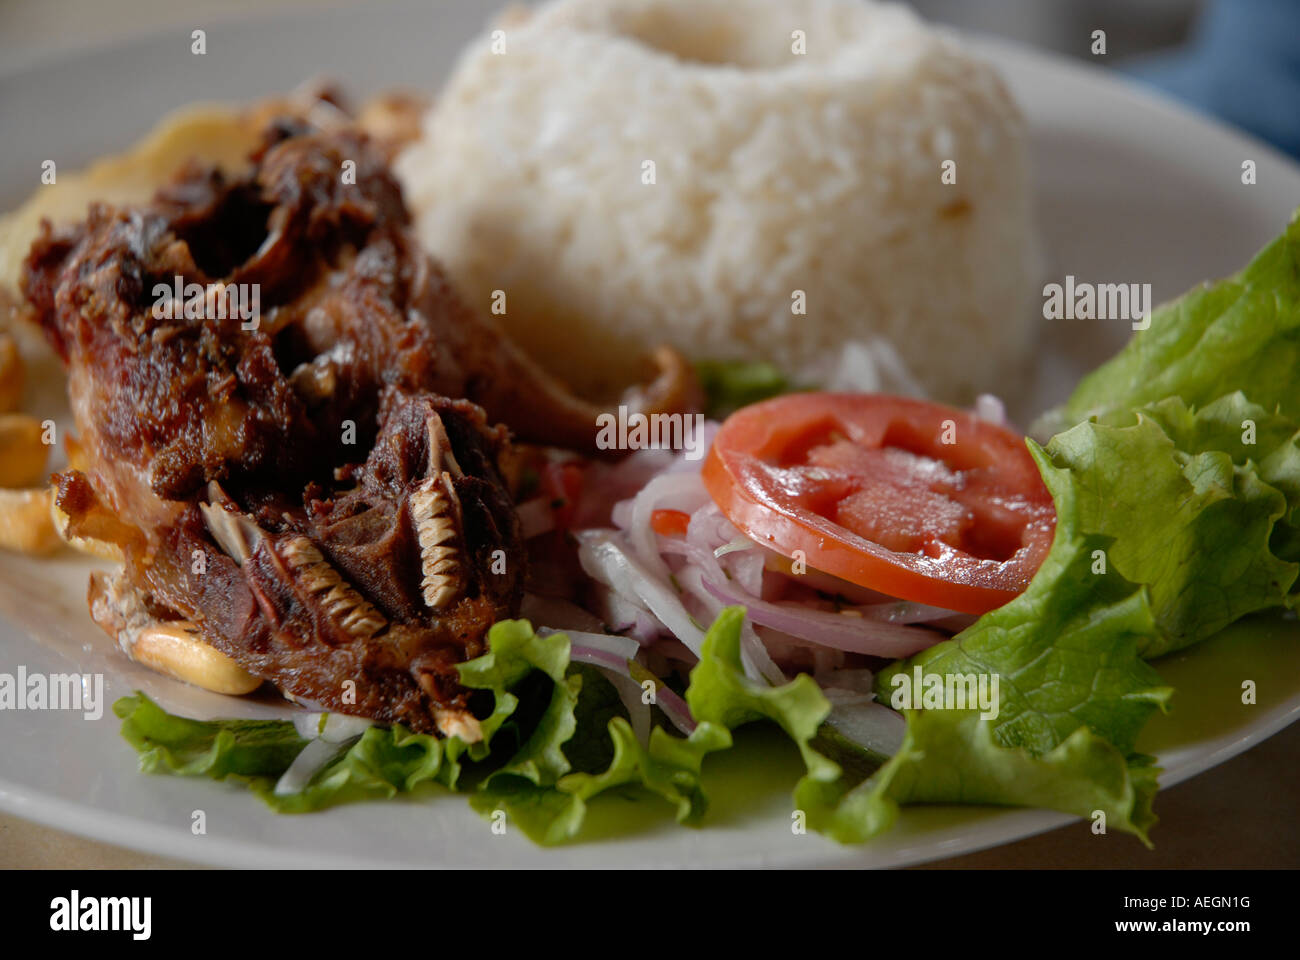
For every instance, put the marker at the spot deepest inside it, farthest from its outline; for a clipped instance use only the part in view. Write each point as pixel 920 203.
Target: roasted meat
pixel 315 483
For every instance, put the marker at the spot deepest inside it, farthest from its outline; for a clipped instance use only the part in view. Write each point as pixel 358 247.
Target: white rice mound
pixel 774 172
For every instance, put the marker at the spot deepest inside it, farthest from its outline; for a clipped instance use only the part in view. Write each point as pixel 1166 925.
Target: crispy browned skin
pixel 305 491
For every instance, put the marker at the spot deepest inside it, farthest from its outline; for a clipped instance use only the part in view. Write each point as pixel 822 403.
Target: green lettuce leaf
pixel 1242 333
pixel 556 737
pixel 218 749
pixel 721 694
pixel 668 767
pixel 383 761
pixel 591 749
pixel 380 764
pixel 1190 524
pixel 1250 435
pixel 514 651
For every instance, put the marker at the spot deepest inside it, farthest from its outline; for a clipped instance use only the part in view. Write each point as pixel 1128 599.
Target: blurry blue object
pixel 1242 65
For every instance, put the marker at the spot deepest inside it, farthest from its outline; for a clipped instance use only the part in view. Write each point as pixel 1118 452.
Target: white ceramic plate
pixel 1130 189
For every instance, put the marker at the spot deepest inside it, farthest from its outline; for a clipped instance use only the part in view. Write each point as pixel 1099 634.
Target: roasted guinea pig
pixel 320 491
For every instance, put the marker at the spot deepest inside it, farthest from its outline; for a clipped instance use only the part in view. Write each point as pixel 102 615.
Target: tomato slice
pixel 909 498
pixel 670 523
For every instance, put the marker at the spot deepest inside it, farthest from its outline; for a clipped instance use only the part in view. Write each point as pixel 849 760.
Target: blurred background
pixel 1236 59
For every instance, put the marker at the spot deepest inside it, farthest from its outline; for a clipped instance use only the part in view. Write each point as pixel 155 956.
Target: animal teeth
pixel 435 527
pixel 356 615
pixel 234 533
pixel 440 448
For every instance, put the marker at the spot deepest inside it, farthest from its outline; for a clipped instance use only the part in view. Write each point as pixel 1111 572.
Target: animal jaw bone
pixel 432 509
pixel 354 614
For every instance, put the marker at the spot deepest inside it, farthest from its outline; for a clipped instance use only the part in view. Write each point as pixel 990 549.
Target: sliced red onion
pixel 310 760
pixel 675 491
pixel 620 673
pixel 755 651
pixel 705 531
pixel 638 711
pixel 618 613
pixel 715 565
pixel 746 569
pixel 825 582
pixel 868 603
pixel 707 528
pixel 621 649
pixel 901 611
pixel 826 658
pixel 757 660
pixel 621 515
pixel 648 629
pixel 608 484
pixel 675 709
pixel 855 634
pixel 955 623
pixel 330 727
pixel 678 488
pixel 740 543
pixel 616 670
pixel 672 546
pixel 606 560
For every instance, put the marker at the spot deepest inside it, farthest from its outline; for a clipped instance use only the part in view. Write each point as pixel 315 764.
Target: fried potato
pixel 96 548
pixel 174 648
pixel 25 521
pixel 23 454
